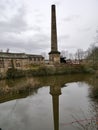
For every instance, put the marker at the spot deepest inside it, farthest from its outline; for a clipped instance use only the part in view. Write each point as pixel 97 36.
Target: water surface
pixel 53 104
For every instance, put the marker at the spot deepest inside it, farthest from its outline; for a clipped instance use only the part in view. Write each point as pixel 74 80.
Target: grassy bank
pixel 49 70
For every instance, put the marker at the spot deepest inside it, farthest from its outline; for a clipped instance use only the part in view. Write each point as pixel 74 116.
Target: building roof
pixel 17 55
pixel 30 55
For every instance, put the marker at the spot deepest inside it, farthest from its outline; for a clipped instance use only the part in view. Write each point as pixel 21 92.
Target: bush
pixel 14 73
pixel 49 70
pixel 87 69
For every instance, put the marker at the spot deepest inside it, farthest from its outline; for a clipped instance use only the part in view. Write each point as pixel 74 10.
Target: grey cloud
pixel 16 24
pixel 69 47
pixel 2 6
pixel 41 37
pixel 11 32
pixel 5 4
pixel 38 14
pixel 57 2
pixel 33 43
pixel 39 41
pixel 64 37
pixel 35 28
pixel 86 29
pixel 39 17
pixel 71 18
pixel 8 8
pixel 2 10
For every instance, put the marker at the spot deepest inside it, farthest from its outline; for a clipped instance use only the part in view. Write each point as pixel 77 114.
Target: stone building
pixel 18 60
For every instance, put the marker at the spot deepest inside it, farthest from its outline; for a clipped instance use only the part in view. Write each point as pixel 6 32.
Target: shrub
pixel 14 73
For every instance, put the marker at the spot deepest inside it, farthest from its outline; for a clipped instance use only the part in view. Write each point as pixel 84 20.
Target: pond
pixel 52 103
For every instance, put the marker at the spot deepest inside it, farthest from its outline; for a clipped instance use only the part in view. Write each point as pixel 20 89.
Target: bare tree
pixel 71 56
pixel 7 50
pixel 64 53
pixel 44 55
pixel 1 50
pixel 79 55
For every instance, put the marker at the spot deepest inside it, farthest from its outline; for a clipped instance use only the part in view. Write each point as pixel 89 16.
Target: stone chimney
pixel 54 54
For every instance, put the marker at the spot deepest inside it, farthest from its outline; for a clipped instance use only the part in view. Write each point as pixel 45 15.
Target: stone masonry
pixel 54 55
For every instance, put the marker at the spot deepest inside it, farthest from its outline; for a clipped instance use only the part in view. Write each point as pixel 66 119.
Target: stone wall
pixel 18 61
pixel 54 58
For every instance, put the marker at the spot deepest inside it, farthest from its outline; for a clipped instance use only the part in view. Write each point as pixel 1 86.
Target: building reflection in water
pixel 55 92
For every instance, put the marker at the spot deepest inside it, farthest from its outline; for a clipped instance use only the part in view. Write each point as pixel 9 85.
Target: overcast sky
pixel 25 25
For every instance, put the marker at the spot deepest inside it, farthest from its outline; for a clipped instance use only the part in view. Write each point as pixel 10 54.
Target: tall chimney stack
pixel 54 55
pixel 53 29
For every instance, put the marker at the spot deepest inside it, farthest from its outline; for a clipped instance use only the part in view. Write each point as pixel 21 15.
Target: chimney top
pixel 53 5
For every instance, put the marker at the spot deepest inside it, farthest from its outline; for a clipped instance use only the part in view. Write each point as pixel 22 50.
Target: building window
pixel 30 58
pixel 42 59
pixel 34 59
pixel 38 58
pixel 1 64
pixel 9 64
pixel 18 64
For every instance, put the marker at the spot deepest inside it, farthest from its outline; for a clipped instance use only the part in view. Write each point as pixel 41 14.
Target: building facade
pixel 18 61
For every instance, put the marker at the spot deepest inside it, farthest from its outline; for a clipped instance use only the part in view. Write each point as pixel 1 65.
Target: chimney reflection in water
pixel 55 92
